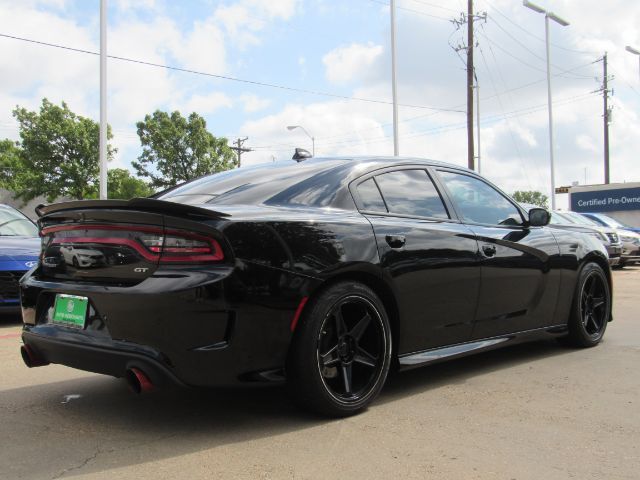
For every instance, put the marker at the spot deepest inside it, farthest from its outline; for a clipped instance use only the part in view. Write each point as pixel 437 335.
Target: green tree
pixel 10 163
pixel 532 197
pixel 60 153
pixel 176 149
pixel 123 185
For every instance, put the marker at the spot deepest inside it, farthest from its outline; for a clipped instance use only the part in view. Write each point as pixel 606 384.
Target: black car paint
pixel 230 322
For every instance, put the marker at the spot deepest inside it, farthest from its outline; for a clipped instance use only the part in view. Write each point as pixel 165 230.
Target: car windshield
pixel 611 222
pixel 14 224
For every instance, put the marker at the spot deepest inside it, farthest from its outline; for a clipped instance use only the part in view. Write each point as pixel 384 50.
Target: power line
pixel 424 14
pixel 229 78
pixel 454 126
pixel 511 135
pixel 435 6
pixel 487 97
pixel 497 24
pixel 534 35
pixel 515 57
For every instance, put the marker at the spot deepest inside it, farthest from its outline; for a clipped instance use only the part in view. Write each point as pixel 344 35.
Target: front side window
pixel 478 202
pixel 411 192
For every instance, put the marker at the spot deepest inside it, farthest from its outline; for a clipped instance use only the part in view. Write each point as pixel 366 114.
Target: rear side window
pixel 478 202
pixel 411 192
pixel 370 196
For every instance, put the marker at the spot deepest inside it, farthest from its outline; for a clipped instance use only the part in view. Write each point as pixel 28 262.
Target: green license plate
pixel 70 310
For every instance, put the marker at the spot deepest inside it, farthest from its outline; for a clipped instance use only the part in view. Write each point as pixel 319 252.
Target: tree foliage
pixel 10 163
pixel 124 186
pixel 176 149
pixel 533 197
pixel 59 154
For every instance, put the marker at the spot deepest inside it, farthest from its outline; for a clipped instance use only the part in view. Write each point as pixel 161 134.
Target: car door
pixel 519 287
pixel 429 258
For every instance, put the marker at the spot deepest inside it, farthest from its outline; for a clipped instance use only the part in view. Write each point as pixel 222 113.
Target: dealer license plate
pixel 70 310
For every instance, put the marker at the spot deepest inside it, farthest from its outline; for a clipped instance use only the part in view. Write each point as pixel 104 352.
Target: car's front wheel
pixel 341 351
pixel 591 309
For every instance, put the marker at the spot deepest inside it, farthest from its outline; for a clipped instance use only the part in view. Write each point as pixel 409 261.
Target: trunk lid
pixel 120 242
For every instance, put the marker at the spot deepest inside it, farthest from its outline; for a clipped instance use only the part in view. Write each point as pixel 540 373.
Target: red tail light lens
pixel 174 246
pixel 183 247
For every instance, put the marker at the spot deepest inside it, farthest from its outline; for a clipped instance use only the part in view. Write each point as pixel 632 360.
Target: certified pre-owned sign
pixel 606 200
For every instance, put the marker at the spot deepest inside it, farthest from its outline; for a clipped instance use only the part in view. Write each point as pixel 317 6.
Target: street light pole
pixel 103 99
pixel 550 109
pixel 394 91
pixel 635 51
pixel 564 23
pixel 313 139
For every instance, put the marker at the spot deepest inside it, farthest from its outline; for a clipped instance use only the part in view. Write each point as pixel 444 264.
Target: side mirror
pixel 301 155
pixel 539 217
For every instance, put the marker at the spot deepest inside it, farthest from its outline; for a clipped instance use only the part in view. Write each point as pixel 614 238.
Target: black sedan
pixel 325 274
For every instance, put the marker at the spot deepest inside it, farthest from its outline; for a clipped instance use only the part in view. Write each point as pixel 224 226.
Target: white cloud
pixel 244 19
pixel 253 103
pixel 203 48
pixel 209 103
pixel 134 4
pixel 349 63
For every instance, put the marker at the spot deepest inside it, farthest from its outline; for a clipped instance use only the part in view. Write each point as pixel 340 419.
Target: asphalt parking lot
pixel 527 412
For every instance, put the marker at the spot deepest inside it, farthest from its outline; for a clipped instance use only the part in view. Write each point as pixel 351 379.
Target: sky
pixel 326 65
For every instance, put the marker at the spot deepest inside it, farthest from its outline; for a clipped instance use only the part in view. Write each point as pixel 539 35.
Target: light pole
pixel 103 99
pixel 394 89
pixel 313 140
pixel 635 52
pixel 564 23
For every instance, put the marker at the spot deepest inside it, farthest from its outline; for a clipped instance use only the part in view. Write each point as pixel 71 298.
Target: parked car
pixel 81 257
pixel 324 274
pixel 629 236
pixel 575 222
pixel 19 250
pixel 607 221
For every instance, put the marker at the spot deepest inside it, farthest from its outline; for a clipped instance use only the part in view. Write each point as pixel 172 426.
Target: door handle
pixel 489 250
pixel 396 241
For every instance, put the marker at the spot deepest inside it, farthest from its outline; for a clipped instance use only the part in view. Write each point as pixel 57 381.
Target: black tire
pixel 340 380
pixel 75 262
pixel 591 307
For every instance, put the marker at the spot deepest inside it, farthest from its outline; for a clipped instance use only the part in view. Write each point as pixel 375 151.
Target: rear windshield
pixel 311 183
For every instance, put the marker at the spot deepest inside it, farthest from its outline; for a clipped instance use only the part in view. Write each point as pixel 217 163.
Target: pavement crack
pixel 82 464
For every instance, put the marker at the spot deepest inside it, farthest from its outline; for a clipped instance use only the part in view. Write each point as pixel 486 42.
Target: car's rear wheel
pixel 591 309
pixel 341 351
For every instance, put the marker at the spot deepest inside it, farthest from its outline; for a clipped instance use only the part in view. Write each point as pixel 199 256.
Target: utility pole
pixel 469 18
pixel 606 117
pixel 470 155
pixel 240 149
pixel 478 122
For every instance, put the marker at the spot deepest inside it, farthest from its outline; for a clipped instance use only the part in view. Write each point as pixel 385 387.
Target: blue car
pixel 19 250
pixel 608 221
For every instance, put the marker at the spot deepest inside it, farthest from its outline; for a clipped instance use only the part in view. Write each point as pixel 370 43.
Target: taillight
pixel 183 247
pixel 173 246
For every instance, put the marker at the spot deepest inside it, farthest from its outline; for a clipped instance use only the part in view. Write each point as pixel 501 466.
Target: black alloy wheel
pixel 591 308
pixel 341 352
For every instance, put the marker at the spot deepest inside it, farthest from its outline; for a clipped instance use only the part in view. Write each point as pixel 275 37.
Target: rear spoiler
pixel 150 205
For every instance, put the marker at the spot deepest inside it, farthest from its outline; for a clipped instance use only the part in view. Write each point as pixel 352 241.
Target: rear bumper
pixel 113 361
pixel 194 327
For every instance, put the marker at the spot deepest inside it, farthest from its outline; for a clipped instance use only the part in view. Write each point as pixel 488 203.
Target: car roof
pixel 390 161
